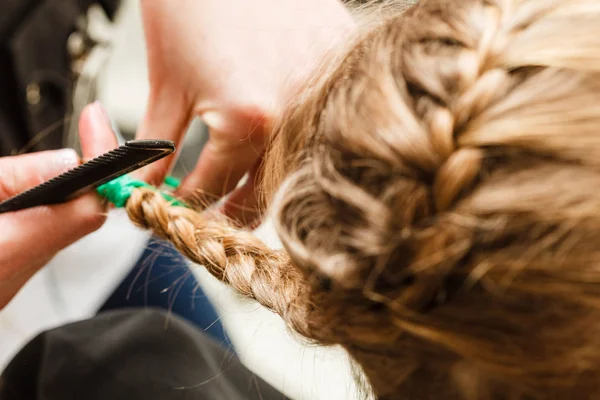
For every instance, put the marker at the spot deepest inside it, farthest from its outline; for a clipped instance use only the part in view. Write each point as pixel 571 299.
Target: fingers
pixel 30 238
pixel 43 231
pixel 95 132
pixel 243 205
pixel 23 172
pixel 236 142
pixel 50 228
pixel 97 137
pixel 167 120
pixel 219 169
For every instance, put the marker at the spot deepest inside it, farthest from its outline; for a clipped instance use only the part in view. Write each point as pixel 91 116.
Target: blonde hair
pixel 437 198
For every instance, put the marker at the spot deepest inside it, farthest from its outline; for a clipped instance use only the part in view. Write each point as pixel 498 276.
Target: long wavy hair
pixel 436 192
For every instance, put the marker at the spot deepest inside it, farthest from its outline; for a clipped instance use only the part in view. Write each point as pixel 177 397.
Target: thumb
pixel 23 172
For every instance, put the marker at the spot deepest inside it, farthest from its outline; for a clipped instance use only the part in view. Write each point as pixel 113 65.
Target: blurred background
pixel 56 56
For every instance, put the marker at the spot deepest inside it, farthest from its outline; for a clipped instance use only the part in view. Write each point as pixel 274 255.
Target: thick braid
pixel 233 256
pixel 453 76
pixel 415 197
pixel 420 206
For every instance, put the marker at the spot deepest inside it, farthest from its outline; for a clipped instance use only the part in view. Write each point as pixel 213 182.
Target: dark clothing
pixel 34 57
pixel 129 355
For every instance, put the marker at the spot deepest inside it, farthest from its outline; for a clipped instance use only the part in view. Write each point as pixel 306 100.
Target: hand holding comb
pixel 88 176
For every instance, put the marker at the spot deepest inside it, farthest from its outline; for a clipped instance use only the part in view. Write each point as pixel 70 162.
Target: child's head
pixel 438 201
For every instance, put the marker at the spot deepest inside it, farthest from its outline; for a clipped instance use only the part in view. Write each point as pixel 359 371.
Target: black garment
pixel 129 355
pixel 34 57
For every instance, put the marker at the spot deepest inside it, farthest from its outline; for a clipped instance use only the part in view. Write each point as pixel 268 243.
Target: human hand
pixel 30 238
pixel 233 63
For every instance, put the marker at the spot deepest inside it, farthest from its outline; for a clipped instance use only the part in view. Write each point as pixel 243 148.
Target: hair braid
pixel 455 72
pixel 233 256
pixel 415 194
pixel 437 200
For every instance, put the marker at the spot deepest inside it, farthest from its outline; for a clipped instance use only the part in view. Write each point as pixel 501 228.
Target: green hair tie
pixel 172 182
pixel 119 190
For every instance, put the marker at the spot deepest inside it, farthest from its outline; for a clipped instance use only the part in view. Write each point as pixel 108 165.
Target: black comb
pixel 132 155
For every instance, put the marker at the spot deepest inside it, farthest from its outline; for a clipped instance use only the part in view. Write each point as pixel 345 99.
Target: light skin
pixel 30 238
pixel 234 64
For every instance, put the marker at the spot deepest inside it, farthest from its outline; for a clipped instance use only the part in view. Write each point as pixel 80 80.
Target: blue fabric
pixel 162 279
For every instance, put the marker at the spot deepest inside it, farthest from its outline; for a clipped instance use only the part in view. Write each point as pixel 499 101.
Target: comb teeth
pixel 105 159
pixel 117 162
pixel 108 158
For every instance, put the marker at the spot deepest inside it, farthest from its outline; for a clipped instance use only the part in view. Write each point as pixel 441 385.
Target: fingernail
pixel 98 119
pixel 67 158
pixel 99 114
pixel 99 108
pixel 215 120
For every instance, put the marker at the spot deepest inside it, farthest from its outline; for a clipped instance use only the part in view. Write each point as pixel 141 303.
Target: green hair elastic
pixel 119 190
